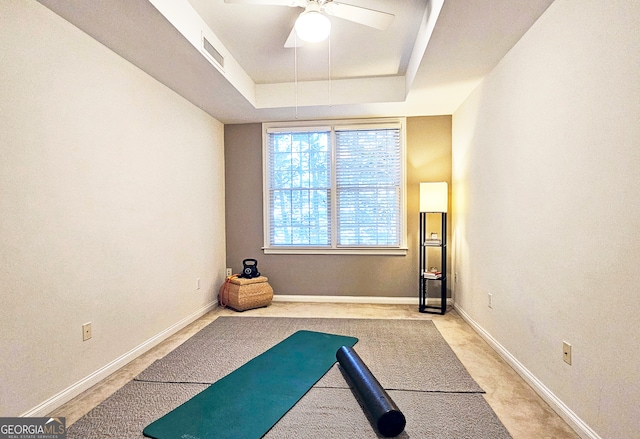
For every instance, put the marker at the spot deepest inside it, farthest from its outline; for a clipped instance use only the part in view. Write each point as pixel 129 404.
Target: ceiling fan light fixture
pixel 312 26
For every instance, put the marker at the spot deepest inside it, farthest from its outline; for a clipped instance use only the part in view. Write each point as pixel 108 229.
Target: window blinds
pixel 334 187
pixel 368 185
pixel 299 188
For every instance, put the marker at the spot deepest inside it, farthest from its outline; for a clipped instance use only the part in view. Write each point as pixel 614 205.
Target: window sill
pixel 335 251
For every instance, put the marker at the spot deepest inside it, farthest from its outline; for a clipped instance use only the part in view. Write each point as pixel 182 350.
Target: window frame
pixel 333 248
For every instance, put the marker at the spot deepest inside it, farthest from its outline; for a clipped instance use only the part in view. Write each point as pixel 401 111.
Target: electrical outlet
pixel 197 283
pixel 566 352
pixel 86 331
pixel 229 272
pixel 490 301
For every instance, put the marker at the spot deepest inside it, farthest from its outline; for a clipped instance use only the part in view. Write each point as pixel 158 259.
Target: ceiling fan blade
pixel 293 40
pixel 368 17
pixel 291 3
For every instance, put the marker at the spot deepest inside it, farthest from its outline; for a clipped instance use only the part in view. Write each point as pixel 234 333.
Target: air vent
pixel 212 52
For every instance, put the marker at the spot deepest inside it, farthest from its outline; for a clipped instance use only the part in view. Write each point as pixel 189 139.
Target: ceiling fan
pixel 313 26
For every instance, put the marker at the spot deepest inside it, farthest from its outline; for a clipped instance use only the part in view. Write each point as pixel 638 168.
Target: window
pixel 333 188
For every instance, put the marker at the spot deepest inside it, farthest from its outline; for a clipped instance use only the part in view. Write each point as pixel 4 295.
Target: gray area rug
pixel 402 354
pixel 323 413
pixel 131 408
pixel 410 358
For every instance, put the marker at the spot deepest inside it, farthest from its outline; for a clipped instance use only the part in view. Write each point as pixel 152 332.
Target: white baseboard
pixel 349 299
pixel 74 390
pixel 346 299
pixel 580 427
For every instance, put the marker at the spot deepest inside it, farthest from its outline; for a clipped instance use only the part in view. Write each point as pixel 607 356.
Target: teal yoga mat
pixel 250 400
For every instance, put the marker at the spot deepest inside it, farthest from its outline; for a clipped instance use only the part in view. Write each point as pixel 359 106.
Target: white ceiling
pixel 410 69
pixel 255 36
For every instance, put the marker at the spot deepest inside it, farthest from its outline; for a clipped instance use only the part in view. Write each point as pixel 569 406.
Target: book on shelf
pixel 432 274
pixel 433 242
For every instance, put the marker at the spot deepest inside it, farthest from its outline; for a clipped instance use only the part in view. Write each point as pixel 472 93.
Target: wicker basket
pixel 242 294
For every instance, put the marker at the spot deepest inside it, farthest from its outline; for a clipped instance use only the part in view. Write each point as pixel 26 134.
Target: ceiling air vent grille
pixel 212 52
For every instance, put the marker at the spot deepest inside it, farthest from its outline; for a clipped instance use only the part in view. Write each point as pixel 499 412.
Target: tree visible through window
pixel 334 187
pixel 300 188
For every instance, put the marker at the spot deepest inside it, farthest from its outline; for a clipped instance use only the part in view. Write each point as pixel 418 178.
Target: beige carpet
pixel 401 353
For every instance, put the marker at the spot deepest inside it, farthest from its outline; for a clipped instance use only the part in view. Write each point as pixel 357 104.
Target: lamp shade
pixel 312 26
pixel 434 196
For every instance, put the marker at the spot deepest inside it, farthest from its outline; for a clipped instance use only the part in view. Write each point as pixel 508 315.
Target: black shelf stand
pixel 424 307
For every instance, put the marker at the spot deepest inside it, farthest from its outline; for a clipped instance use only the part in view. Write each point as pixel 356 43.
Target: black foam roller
pixel 378 405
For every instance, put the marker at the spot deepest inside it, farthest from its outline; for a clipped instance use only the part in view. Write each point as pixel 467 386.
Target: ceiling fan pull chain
pixel 295 71
pixel 329 63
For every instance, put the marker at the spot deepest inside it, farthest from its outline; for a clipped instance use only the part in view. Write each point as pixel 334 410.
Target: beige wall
pixel 547 213
pixel 112 206
pixel 428 159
